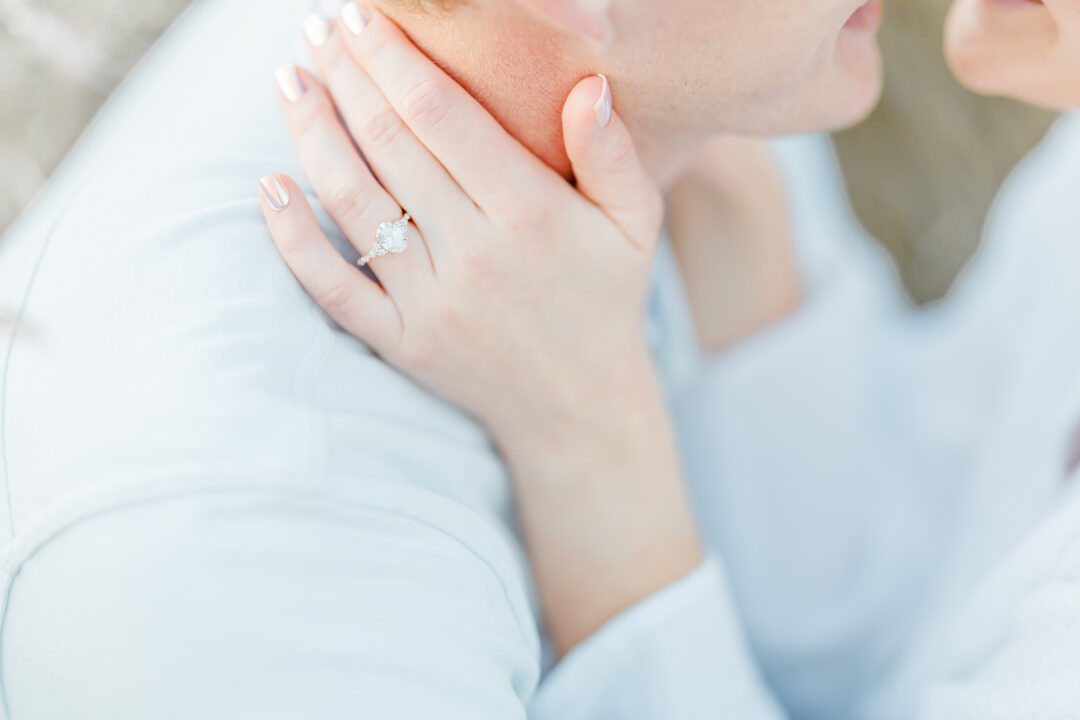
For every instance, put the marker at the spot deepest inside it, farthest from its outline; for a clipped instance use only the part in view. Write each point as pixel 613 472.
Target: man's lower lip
pixel 868 17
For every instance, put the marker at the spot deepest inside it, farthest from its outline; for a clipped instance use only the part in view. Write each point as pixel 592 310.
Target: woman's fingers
pixel 400 161
pixel 352 299
pixel 343 182
pixel 606 164
pixel 486 161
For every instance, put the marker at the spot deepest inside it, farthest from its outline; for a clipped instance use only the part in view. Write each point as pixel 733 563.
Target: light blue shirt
pixel 218 505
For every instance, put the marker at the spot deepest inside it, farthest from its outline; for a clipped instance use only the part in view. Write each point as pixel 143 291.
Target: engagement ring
pixel 390 239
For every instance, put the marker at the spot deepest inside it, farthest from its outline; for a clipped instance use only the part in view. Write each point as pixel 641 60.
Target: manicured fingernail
pixel 603 106
pixel 289 81
pixel 274 192
pixel 354 18
pixel 317 29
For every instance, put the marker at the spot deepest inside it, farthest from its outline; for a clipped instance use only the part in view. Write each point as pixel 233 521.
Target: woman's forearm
pixel 602 505
pixel 519 299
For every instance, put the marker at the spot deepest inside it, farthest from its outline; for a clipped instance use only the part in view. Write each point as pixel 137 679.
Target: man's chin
pixel 863 102
pixel 851 96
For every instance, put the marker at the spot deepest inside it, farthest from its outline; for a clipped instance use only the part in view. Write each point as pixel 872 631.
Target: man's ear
pixel 588 18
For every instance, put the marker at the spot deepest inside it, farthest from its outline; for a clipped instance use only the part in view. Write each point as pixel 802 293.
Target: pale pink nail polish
pixel 354 18
pixel 604 105
pixel 290 82
pixel 317 30
pixel 274 192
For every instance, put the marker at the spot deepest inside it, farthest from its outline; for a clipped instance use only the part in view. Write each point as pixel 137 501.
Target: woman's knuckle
pixel 528 219
pixel 334 299
pixel 445 319
pixel 623 157
pixel 473 265
pixel 381 129
pixel 348 201
pixel 291 243
pixel 426 105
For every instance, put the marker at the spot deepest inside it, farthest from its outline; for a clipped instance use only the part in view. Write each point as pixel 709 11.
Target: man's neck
pixel 499 66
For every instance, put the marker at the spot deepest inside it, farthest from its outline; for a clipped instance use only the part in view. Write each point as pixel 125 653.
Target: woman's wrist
pixel 526 313
pixel 623 393
pixel 602 504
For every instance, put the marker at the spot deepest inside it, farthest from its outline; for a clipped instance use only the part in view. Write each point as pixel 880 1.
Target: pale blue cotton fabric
pixel 218 505
pixel 892 495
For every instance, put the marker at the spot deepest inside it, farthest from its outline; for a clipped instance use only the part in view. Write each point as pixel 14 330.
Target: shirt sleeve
pixel 825 453
pixel 1007 650
pixel 1032 676
pixel 678 654
pixel 270 604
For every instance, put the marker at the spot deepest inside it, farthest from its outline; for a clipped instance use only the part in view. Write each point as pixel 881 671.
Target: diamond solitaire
pixel 392 238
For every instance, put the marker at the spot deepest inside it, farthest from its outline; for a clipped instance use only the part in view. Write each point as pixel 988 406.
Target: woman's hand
pixel 518 298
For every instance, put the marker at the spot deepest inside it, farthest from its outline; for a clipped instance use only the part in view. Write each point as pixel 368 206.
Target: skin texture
pixel 1018 48
pixel 521 297
pixel 682 70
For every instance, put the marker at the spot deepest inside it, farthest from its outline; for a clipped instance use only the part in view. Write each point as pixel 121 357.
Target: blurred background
pixel 923 170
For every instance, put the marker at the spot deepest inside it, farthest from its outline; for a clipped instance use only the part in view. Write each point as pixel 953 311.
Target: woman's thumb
pixel 606 164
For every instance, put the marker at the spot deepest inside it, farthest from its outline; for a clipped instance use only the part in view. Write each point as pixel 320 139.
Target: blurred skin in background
pixel 682 70
pixel 1025 49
